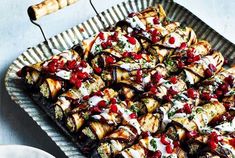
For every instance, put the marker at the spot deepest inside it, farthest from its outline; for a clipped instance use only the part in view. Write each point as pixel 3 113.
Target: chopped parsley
pixel 153 143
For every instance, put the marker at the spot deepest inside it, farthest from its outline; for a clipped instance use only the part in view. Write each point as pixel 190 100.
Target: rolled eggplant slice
pixel 205 67
pixel 186 55
pixel 153 146
pixel 63 104
pixel 116 141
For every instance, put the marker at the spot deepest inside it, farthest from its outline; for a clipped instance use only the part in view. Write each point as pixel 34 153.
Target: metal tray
pixel 68 38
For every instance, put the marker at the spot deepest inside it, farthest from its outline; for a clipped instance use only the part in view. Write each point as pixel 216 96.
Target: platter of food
pixel 151 80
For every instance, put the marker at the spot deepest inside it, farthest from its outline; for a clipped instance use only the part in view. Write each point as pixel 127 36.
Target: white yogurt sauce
pixel 136 22
pixel 93 101
pixel 227 126
pixel 64 74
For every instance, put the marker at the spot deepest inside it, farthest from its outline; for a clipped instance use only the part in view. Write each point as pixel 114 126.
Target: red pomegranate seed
pixel 232 142
pixel 113 108
pixel 113 101
pixel 145 134
pixel 139 76
pixel 157 154
pixel 156 77
pixel 86 97
pixel 183 45
pixel 171 91
pixel 169 149
pixel 103 45
pixel 83 64
pixel 212 144
pixel 214 136
pixel 225 62
pixel 155 39
pixel 164 140
pixel 156 20
pixel 192 134
pixel 71 64
pixel 190 54
pixel 173 80
pixel 19 73
pixel 219 93
pixel 171 40
pixel 187 108
pixel 132 40
pixel 98 93
pixel 212 67
pixel 109 43
pixel 153 89
pixel 132 116
pixel 101 35
pixel 180 64
pixel 191 94
pixel 73 79
pixel 206 96
pixel 155 32
pixel 78 83
pixel 82 75
pixel 97 70
pixel 137 56
pixel 167 97
pixel 208 73
pixel 109 60
pixel 176 144
pixel 229 80
pixel 196 58
pixel 227 106
pixel 126 54
pixel 95 109
pixel 224 87
pixel 102 104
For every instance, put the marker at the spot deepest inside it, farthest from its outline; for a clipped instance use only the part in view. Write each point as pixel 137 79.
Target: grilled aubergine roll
pixel 63 105
pixel 87 107
pixel 157 146
pixel 196 121
pixel 203 68
pixel 186 55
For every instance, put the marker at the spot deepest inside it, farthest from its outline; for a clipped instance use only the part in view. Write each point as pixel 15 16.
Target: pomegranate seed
pixel 102 104
pixel 95 109
pixel 156 77
pixel 156 20
pixel 169 149
pixel 153 89
pixel 157 154
pixel 155 39
pixel 214 136
pixel 155 32
pixel 113 108
pixel 183 45
pixel 132 116
pixel 137 56
pixel 180 64
pixel 190 54
pixel 171 40
pixel 139 76
pixel 109 43
pixel 187 109
pixel 226 62
pixel 78 83
pixel 82 75
pixel 219 93
pixel 227 106
pixel 191 94
pixel 97 70
pixel 208 73
pixel 224 87
pixel 196 58
pixel 232 142
pixel 83 64
pixel 171 91
pixel 101 35
pixel 86 97
pixel 19 73
pixel 173 80
pixel 113 101
pixel 164 140
pixel 212 67
pixel 229 80
pixel 126 54
pixel 145 134
pixel 176 144
pixel 109 60
pixel 103 45
pixel 73 79
pixel 71 64
pixel 192 134
pixel 98 93
pixel 206 96
pixel 132 40
pixel 167 97
pixel 212 144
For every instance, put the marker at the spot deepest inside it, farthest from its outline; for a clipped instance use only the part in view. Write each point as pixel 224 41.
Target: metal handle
pixel 47 7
